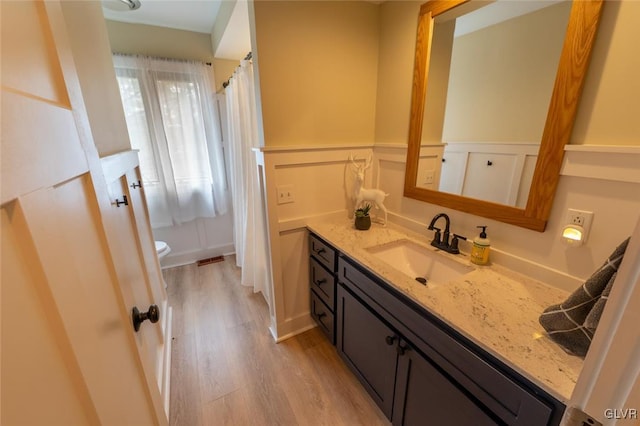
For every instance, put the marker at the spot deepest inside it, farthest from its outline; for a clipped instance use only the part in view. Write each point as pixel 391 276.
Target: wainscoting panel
pixel 600 179
pixel 321 182
pixel 616 163
pixel 499 172
pixel 318 176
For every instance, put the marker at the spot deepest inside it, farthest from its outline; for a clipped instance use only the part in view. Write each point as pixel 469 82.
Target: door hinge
pixel 119 203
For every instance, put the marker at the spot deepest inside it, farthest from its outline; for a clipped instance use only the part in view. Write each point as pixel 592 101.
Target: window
pixel 172 120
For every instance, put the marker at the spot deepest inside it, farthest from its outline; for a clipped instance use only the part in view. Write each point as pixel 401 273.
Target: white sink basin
pixel 420 263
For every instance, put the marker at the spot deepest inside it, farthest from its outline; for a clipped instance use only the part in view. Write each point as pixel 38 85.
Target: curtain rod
pixel 246 58
pixel 163 58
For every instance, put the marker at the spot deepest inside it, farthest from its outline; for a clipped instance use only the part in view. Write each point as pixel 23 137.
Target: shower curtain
pixel 250 232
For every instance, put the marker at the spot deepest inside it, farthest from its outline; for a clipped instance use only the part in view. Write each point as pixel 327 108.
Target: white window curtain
pixel 173 120
pixel 250 232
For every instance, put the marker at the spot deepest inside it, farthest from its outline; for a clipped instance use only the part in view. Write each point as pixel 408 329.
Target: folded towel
pixel 592 320
pixel 570 323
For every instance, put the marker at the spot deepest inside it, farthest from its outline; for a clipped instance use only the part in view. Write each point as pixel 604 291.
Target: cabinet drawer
pixel 323 283
pixel 322 252
pixel 511 401
pixel 323 316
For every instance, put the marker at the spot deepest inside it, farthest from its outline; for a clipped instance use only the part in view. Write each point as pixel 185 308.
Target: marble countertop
pixel 495 307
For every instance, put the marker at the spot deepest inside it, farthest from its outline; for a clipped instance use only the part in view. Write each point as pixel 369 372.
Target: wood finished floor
pixel 227 369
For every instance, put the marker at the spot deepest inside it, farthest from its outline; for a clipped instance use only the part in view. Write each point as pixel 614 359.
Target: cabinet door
pixel 426 396
pixel 490 177
pixel 368 346
pixel 452 172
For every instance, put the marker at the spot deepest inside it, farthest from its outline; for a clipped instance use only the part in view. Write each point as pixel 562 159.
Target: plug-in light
pixel 573 235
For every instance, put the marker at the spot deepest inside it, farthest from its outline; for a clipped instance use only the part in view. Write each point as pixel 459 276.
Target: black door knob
pixel 153 315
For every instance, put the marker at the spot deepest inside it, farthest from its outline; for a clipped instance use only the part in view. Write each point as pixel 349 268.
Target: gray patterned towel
pixel 592 320
pixel 573 322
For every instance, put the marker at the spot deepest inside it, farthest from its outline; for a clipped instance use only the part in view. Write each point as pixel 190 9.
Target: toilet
pixel 162 249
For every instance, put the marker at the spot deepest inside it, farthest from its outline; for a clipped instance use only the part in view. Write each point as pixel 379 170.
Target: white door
pixel 69 353
pixel 608 389
pixel 133 254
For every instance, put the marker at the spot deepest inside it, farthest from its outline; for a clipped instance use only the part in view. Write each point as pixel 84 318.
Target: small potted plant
pixel 363 221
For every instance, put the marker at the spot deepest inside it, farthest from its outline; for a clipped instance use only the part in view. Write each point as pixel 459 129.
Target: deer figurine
pixel 374 196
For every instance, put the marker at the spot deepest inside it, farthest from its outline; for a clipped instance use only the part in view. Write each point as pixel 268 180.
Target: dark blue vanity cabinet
pixel 419 370
pixel 407 386
pixel 323 264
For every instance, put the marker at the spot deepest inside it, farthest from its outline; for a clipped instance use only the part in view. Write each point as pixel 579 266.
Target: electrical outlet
pixel 285 194
pixel 582 218
pixel 578 217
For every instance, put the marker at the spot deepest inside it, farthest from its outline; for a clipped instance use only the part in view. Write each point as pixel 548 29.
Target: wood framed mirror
pixel 571 72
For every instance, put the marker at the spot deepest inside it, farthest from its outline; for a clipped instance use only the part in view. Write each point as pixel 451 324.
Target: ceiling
pixel 190 15
pixel 497 12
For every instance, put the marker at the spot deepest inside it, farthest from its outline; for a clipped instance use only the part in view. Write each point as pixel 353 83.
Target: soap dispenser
pixel 480 249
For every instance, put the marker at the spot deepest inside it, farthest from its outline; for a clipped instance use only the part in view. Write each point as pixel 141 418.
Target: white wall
pixel 606 184
pixel 318 176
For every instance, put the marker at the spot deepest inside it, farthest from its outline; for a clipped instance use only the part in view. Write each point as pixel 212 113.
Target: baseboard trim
pixel 292 327
pixel 296 332
pixel 185 258
pixel 166 382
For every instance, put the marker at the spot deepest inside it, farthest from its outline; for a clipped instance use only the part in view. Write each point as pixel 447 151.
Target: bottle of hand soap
pixel 481 246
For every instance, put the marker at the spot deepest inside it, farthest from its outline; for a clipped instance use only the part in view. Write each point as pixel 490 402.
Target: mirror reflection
pixel 491 76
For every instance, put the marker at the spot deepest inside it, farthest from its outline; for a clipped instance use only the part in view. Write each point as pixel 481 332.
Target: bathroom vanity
pixel 465 351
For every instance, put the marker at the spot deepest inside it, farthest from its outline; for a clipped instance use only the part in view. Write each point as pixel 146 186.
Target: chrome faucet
pixel 441 240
